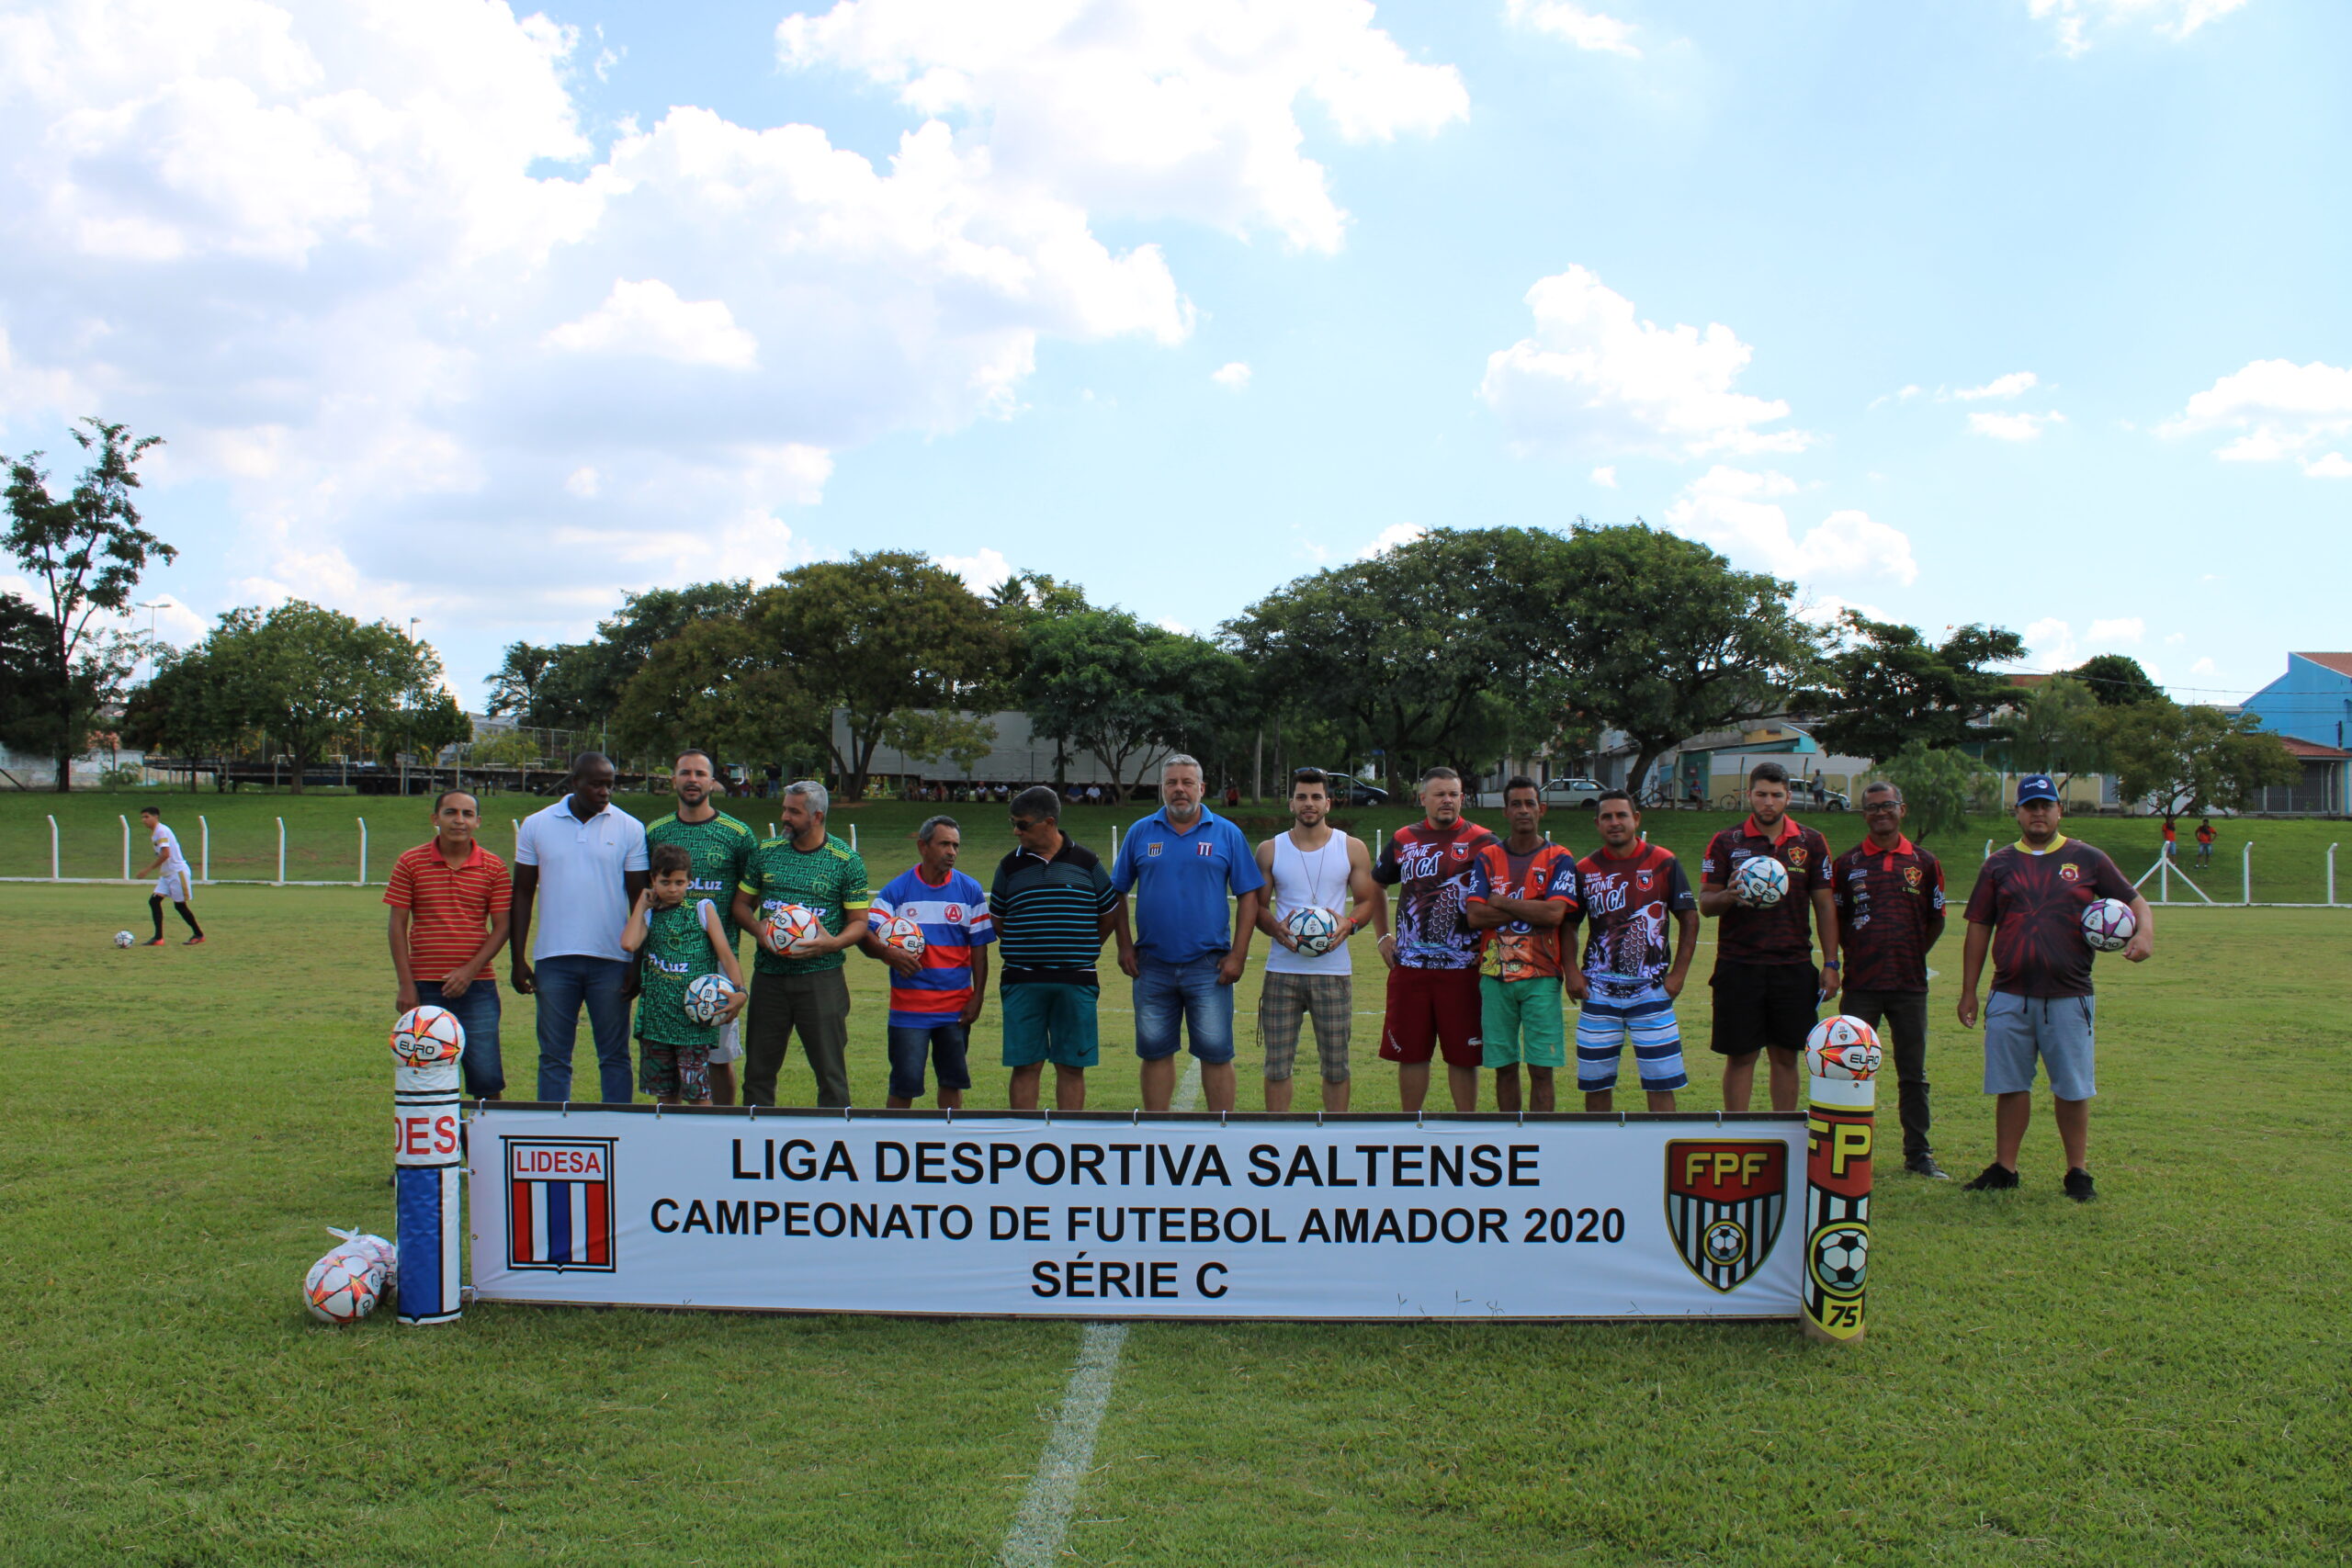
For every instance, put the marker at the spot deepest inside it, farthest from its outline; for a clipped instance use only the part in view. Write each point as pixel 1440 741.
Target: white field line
pixel 1035 1541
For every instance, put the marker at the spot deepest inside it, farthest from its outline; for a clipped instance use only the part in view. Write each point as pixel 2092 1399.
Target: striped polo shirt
pixel 1048 915
pixel 450 912
pixel 954 915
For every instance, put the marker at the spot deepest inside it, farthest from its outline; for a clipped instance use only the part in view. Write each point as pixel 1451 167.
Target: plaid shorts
pixel 1281 1004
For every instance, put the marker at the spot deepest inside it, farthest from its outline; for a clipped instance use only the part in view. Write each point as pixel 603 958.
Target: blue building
pixel 2309 708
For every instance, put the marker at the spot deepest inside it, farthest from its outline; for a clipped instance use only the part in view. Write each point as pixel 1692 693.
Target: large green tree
pixel 1126 692
pixel 1638 631
pixel 188 709
pixel 722 686
pixel 1416 650
pixel 1887 686
pixel 84 551
pixel 2117 680
pixel 1941 785
pixel 2057 727
pixel 878 637
pixel 2193 759
pixel 312 678
pixel 577 685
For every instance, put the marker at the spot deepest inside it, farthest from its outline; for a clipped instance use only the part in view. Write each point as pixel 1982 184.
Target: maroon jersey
pixel 1629 906
pixel 1888 901
pixel 1431 869
pixel 2034 904
pixel 1783 933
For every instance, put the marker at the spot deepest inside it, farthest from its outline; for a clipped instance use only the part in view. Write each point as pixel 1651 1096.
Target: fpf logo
pixel 1724 1201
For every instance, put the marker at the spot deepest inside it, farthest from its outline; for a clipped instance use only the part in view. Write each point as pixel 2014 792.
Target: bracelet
pixel 1831 964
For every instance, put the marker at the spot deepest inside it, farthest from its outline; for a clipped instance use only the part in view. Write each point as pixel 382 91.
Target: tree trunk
pixel 1641 760
pixel 300 762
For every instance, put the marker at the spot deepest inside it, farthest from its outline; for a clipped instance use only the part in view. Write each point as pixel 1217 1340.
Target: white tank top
pixel 1311 880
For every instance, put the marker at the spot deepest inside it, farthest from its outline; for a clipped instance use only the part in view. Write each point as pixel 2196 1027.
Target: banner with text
pixel 1369 1218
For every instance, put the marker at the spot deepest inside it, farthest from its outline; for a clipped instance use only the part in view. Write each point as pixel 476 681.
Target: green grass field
pixel 2156 1378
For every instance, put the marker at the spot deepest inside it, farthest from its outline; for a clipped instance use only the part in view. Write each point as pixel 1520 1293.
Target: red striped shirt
pixel 450 912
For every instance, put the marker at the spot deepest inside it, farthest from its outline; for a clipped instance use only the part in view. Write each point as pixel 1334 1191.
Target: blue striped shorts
pixel 1646 1019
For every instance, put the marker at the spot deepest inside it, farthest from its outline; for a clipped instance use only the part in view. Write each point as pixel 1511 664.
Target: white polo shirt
pixel 582 904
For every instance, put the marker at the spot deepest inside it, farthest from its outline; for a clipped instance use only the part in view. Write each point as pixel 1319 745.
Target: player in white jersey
pixel 173 880
pixel 1312 866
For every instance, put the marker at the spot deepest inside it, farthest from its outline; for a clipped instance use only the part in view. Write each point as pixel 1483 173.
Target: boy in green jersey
pixel 677 941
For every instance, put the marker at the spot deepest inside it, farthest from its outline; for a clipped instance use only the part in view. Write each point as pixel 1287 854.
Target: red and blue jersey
pixel 954 920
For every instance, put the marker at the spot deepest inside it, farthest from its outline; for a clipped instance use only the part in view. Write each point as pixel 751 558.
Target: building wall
pixel 1018 756
pixel 2310 702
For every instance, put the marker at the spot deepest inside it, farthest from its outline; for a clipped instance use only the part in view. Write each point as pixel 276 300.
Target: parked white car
pixel 1584 793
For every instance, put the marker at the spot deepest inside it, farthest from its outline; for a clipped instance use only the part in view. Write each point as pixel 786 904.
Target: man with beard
pixel 721 849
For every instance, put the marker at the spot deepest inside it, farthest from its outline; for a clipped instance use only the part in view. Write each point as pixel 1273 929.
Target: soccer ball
pixel 341 1288
pixel 2108 925
pixel 789 925
pixel 1760 881
pixel 1315 930
pixel 904 933
pixel 708 995
pixel 1841 1258
pixel 423 1036
pixel 1843 1047
pixel 1724 1242
pixel 124 939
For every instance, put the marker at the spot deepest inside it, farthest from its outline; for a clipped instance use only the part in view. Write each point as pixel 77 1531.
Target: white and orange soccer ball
pixel 789 925
pixel 373 1251
pixel 904 933
pixel 423 1036
pixel 342 1288
pixel 2108 924
pixel 1843 1047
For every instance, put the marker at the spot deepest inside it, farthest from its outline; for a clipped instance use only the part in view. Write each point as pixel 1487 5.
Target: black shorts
pixel 1761 1005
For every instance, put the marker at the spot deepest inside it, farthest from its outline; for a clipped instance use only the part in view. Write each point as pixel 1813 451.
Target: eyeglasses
pixel 1872 808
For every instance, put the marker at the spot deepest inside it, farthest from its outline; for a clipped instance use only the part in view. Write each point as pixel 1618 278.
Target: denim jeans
pixel 1167 993
pixel 564 983
pixel 477 1009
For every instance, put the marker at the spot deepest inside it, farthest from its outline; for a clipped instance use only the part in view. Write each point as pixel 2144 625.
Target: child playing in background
pixel 677 943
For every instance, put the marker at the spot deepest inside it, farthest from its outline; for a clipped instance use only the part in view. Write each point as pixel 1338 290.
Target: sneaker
pixel 1996 1177
pixel 195 941
pixel 1925 1165
pixel 152 941
pixel 2078 1185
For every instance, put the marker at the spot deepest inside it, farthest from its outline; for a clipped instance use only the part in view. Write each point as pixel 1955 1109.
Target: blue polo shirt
pixel 1181 880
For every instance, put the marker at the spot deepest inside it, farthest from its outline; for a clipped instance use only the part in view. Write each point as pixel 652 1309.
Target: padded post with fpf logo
pixel 428 1150
pixel 1839 1128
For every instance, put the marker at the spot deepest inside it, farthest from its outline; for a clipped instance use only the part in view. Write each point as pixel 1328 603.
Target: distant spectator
pixel 590 857
pixel 2172 839
pixel 2205 840
pixel 450 906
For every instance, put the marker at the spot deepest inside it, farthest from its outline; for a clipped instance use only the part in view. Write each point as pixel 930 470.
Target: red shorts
pixel 1432 1010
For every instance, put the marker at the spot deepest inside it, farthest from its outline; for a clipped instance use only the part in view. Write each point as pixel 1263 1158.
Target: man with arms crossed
pixel 802 986
pixel 1178 862
pixel 173 880
pixel 1313 866
pixel 1521 897
pixel 1630 889
pixel 1890 897
pixel 1767 990
pixel 935 995
pixel 2028 909
pixel 721 849
pixel 1433 955
pixel 589 856
pixel 450 906
pixel 1052 905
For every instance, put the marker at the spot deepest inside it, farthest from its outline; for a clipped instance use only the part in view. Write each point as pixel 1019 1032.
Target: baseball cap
pixel 2036 786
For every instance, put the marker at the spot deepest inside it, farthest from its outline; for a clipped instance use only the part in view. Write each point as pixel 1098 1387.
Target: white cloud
pixel 648 320
pixel 1135 105
pixel 2124 629
pixel 363 268
pixel 2203 667
pixel 1395 534
pixel 1170 623
pixel 1233 377
pixel 1737 511
pixel 1605 476
pixel 2017 383
pixel 2176 640
pixel 1901 395
pixel 981 571
pixel 2279 409
pixel 2076 20
pixel 2018 426
pixel 2050 643
pixel 1586 29
pixel 1594 378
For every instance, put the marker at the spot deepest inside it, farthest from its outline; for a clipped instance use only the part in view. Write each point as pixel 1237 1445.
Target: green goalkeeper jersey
pixel 676 950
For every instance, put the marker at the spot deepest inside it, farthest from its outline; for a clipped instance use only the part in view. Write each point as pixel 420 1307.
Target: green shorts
pixel 1048 1021
pixel 1522 1021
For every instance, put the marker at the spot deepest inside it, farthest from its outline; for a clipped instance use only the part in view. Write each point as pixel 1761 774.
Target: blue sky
pixel 2015 311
